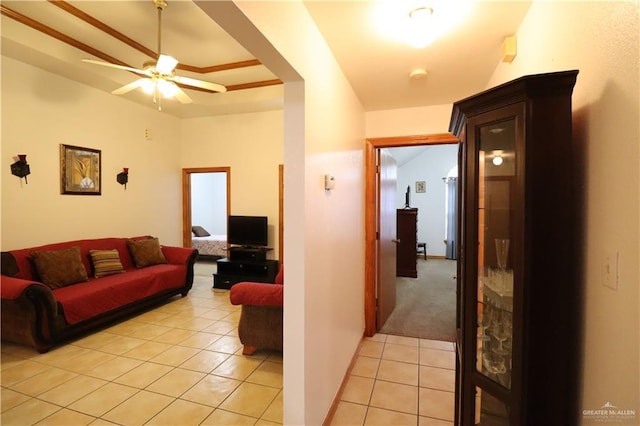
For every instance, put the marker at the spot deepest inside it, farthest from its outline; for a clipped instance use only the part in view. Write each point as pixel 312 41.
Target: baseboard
pixel 336 400
pixel 431 256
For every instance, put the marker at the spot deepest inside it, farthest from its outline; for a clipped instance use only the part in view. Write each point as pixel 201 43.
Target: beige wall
pixel 40 111
pixel 601 39
pixel 324 231
pixel 408 121
pixel 251 145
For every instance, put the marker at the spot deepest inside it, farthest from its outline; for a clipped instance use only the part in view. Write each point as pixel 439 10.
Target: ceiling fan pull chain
pixel 157 97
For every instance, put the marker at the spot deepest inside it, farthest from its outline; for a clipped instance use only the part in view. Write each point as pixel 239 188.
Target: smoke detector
pixel 418 74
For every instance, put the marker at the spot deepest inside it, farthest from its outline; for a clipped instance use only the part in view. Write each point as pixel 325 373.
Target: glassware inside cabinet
pixel 494 313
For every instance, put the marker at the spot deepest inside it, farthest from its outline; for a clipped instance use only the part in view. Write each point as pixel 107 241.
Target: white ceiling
pixel 377 66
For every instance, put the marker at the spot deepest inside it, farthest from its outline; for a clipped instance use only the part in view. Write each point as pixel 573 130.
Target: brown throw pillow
pixel 146 252
pixel 106 262
pixel 59 268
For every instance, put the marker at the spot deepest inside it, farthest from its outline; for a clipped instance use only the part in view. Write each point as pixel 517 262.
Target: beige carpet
pixel 426 306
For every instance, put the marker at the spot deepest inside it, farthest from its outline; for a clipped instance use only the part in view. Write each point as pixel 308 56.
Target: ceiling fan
pixel 159 77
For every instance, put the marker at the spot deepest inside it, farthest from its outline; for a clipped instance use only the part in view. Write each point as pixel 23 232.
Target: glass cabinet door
pixel 496 171
pixel 496 180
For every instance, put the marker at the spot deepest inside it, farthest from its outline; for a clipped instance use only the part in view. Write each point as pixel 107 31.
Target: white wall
pixel 601 39
pixel 430 166
pixel 252 146
pixel 209 201
pixel 40 112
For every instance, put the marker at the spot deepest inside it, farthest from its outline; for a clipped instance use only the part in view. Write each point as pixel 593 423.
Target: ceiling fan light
pixel 167 88
pixel 148 86
pixel 166 64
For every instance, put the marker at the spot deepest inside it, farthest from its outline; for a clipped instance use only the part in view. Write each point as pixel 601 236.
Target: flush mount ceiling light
pixel 420 31
pixel 419 22
pixel 421 14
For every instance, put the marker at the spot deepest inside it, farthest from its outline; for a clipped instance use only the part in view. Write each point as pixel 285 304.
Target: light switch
pixel 329 182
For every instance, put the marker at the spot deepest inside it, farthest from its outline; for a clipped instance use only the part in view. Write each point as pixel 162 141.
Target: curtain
pixel 452 217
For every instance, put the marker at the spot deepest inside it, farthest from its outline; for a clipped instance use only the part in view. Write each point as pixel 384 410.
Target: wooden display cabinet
pixel 518 279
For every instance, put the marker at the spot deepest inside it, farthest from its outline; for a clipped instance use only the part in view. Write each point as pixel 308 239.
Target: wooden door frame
pixel 186 197
pixel 371 214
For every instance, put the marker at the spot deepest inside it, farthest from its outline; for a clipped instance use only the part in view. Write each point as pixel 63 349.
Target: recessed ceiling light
pixel 497 130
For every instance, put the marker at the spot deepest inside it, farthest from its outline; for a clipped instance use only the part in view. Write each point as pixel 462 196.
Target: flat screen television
pixel 248 231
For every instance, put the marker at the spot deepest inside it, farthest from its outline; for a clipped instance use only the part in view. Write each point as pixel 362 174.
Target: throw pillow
pixel 146 252
pixel 199 231
pixel 105 262
pixel 59 268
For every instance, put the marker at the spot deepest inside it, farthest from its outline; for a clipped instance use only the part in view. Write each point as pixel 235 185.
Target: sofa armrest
pixel 12 288
pixel 257 294
pixel 28 313
pixel 177 255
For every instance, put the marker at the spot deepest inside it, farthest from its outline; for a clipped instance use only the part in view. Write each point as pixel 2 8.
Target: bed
pixel 212 246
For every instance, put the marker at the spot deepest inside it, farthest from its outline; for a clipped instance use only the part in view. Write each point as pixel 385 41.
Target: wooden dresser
pixel 407 235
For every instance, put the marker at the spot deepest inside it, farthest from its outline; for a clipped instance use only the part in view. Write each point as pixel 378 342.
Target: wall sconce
pixel 123 177
pixel 497 160
pixel 20 168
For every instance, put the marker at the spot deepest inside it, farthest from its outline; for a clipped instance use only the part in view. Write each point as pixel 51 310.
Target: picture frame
pixel 80 170
pixel 421 186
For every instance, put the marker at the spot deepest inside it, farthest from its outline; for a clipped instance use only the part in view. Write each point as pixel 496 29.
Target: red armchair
pixel 260 325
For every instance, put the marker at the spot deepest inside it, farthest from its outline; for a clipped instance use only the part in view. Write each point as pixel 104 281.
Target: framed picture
pixel 80 170
pixel 421 186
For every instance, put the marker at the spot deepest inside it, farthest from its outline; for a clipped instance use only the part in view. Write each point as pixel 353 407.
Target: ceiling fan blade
pixel 182 97
pixel 129 87
pixel 166 64
pixel 199 83
pixel 121 67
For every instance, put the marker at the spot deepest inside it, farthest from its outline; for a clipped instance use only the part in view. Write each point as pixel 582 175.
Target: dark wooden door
pixel 386 285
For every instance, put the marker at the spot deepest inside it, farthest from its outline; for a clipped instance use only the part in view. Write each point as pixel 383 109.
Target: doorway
pixel 194 178
pixel 425 269
pixel 372 220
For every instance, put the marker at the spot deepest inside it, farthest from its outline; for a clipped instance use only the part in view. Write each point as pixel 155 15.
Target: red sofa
pixel 260 325
pixel 40 314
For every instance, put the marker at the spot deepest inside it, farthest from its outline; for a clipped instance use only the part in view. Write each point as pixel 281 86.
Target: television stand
pixel 232 271
pixel 257 254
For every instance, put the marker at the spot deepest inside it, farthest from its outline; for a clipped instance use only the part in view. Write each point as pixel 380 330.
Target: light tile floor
pixel 178 364
pixel 182 364
pixel 399 380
